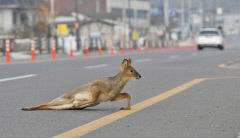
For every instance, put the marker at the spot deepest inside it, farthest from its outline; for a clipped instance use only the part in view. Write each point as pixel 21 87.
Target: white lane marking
pixel 18 77
pixel 95 66
pixel 193 54
pixel 143 60
pixel 174 56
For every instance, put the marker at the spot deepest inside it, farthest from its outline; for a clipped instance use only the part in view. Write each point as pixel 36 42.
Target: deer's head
pixel 128 70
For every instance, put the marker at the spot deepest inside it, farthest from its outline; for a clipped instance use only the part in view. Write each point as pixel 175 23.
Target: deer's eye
pixel 131 70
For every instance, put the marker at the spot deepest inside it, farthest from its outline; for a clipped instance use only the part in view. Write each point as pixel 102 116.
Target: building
pixel 134 12
pixel 95 30
pixel 17 16
pixel 83 5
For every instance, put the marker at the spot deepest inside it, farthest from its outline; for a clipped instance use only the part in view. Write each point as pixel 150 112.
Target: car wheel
pixel 200 47
pixel 221 47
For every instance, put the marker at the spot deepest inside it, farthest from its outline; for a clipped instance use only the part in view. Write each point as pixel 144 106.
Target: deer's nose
pixel 139 76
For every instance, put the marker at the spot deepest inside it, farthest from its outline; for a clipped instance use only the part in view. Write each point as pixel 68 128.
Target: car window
pixel 209 33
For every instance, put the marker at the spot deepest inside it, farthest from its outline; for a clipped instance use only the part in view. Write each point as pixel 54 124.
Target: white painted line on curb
pixel 95 66
pixel 143 60
pixel 18 77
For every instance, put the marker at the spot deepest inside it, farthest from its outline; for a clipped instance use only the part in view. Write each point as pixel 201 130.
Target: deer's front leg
pixel 123 96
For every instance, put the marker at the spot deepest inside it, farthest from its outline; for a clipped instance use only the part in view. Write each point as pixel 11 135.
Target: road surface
pixel 195 97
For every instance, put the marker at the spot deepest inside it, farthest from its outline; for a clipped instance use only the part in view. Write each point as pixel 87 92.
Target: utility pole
pixel 190 11
pixel 51 26
pixel 190 16
pixel 97 6
pixel 52 2
pixel 166 19
pixel 201 14
pixel 129 20
pixel 182 17
pixel 166 11
pixel 77 26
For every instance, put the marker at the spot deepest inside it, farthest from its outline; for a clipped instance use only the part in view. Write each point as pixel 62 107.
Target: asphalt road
pixel 209 109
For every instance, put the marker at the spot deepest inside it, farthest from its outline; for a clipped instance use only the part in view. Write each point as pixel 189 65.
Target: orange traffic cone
pixel 53 49
pixel 170 45
pixel 139 48
pixel 131 47
pixel 112 49
pixel 86 48
pixel 71 50
pixel 33 50
pixel 153 47
pixel 122 47
pixel 99 48
pixel 159 46
pixel 7 51
pixel 146 47
pixel 165 46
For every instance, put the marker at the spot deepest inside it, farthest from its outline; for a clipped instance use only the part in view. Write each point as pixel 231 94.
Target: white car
pixel 210 37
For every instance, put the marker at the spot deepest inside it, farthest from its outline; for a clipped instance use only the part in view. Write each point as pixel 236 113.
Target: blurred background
pixel 110 22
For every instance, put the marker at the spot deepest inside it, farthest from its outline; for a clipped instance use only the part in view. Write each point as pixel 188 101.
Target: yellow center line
pixel 228 63
pixel 89 127
pixel 222 66
pixel 222 78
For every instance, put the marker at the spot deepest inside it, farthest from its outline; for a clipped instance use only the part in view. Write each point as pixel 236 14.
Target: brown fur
pixel 96 92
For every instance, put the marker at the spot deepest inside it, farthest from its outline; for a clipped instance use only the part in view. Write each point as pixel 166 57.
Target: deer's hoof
pixel 126 108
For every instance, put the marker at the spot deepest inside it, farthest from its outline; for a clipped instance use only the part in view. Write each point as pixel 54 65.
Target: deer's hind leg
pixel 65 106
pixel 56 104
pixel 86 99
pixel 60 107
pixel 49 107
pixel 90 104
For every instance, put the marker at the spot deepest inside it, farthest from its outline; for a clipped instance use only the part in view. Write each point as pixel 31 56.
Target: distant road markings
pixel 222 66
pixel 18 77
pixel 89 127
pixel 95 66
pixel 228 63
pixel 174 56
pixel 222 78
pixel 143 60
pixel 194 54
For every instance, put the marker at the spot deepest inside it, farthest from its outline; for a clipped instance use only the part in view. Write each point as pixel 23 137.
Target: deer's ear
pixel 129 61
pixel 124 64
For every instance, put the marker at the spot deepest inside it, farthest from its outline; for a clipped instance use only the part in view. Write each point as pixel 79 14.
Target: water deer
pixel 95 92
